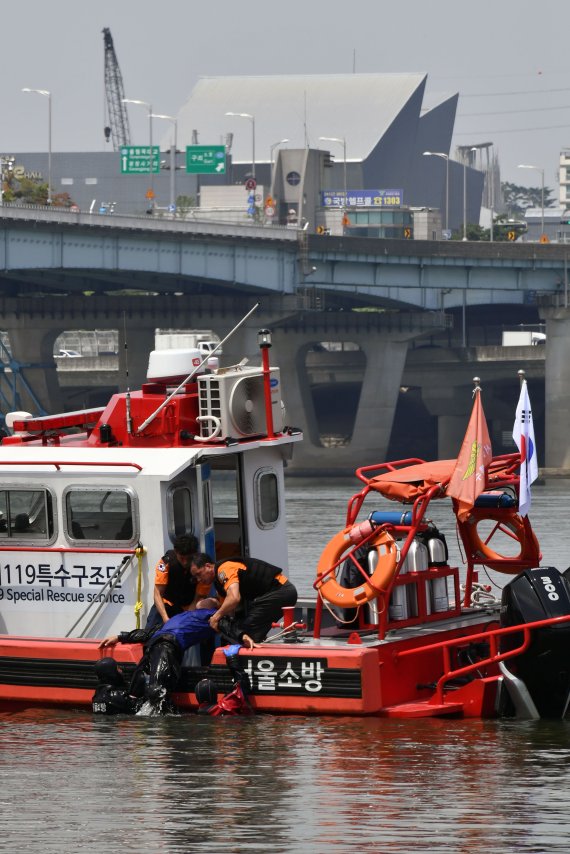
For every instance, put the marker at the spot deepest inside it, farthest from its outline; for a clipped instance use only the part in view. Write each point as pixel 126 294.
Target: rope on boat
pixel 108 587
pixel 287 630
pixel 140 551
pixel 334 615
pixel 481 595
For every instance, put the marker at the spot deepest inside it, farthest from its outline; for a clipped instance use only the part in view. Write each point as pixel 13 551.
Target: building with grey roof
pixel 383 124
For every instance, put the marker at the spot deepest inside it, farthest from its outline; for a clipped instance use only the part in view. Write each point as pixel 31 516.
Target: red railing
pixel 492 636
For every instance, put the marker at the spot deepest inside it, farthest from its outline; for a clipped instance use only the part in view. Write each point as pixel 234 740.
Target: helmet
pixel 108 672
pixel 206 692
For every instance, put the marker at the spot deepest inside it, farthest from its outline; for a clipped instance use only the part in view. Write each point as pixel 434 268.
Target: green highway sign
pixel 206 159
pixel 135 159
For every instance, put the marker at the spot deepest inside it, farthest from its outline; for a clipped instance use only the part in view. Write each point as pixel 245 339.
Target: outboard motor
pixel 534 595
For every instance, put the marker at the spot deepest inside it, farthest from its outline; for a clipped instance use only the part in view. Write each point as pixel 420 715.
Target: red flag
pixel 470 472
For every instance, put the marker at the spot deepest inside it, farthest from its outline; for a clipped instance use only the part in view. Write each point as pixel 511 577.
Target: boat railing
pixel 83 463
pixel 492 636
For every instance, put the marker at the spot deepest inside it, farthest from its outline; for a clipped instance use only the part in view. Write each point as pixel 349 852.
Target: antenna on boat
pixel 522 376
pixel 128 395
pixel 172 394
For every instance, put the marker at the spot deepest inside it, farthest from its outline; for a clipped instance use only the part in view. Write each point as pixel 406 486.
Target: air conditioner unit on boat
pixel 232 403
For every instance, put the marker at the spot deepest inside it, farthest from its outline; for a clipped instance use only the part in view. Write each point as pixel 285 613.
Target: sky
pixel 509 63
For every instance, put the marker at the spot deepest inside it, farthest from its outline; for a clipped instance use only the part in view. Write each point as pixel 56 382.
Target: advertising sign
pixel 362 198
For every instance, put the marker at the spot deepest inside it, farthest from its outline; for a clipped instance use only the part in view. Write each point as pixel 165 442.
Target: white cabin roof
pixel 154 462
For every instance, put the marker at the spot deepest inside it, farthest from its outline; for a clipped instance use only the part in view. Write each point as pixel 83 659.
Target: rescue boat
pixel 90 501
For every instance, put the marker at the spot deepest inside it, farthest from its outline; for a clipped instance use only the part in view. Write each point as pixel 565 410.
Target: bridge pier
pixel 32 349
pixel 134 349
pixel 385 358
pixel 557 389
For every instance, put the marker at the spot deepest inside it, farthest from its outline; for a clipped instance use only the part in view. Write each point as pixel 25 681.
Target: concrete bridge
pixel 62 271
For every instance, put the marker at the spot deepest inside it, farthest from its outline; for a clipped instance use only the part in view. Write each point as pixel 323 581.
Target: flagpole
pixel 522 451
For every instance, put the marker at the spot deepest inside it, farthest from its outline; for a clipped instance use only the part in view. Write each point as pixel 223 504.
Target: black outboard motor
pixel 539 594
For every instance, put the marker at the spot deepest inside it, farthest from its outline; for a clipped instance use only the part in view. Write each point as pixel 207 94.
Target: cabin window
pixel 100 514
pixel 26 514
pixel 266 492
pixel 180 512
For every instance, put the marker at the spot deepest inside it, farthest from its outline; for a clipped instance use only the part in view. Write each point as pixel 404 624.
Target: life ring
pixel 352 597
pixel 510 523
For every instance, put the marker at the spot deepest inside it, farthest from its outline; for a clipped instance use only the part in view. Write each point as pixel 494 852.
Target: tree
pixel 32 191
pixel 518 198
pixel 184 205
pixel 474 232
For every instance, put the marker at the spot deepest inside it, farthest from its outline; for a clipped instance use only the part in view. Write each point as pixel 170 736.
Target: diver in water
pixel 234 703
pixel 158 671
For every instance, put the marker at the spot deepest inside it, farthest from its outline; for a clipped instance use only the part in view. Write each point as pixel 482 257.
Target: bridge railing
pixel 193 224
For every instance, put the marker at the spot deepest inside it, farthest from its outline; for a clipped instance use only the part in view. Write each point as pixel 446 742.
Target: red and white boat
pixel 90 500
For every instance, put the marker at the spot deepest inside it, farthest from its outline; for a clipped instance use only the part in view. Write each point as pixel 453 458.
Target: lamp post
pixel 271 150
pixel 341 141
pixel 150 157
pixel 446 158
pixel 47 94
pixel 173 148
pixel 474 148
pixel 541 170
pixel 252 120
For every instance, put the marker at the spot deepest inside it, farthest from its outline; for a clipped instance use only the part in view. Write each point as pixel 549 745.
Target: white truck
pixel 522 338
pixel 203 340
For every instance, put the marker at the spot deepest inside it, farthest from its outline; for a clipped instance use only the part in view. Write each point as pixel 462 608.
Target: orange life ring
pixel 352 597
pixel 510 523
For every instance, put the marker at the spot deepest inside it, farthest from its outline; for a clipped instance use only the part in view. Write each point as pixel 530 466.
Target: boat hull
pixel 356 676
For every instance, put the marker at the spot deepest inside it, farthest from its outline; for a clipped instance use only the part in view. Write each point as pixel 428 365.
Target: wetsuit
pixel 158 671
pixel 234 703
pixel 264 591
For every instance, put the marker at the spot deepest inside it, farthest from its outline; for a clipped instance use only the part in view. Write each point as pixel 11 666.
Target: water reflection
pixel 73 782
pixel 273 784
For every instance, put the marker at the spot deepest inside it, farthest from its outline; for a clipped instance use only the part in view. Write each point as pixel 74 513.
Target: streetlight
pixel 150 157
pixel 174 121
pixel 446 158
pixel 537 169
pixel 252 120
pixel 47 94
pixel 474 148
pixel 271 150
pixel 341 141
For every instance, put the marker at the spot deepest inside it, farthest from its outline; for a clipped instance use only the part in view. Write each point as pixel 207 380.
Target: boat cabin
pixel 91 500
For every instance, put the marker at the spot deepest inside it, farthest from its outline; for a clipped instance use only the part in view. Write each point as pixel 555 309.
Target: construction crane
pixel 118 127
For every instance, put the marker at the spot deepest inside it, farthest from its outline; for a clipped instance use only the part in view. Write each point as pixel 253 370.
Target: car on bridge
pixel 68 354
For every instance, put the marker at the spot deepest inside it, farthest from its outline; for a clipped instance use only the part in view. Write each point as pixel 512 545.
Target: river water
pixel 73 782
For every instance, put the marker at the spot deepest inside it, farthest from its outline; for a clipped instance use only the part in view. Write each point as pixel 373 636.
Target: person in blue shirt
pixel 158 671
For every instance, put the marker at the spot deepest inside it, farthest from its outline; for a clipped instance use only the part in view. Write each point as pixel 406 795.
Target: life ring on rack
pixel 509 523
pixel 352 597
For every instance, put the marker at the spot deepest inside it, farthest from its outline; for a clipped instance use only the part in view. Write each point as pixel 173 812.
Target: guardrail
pixel 193 225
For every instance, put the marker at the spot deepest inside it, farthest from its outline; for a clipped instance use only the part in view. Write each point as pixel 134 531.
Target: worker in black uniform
pixel 175 589
pixel 252 594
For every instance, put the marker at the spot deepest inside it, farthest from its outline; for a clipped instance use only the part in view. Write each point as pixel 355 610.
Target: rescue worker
pixel 252 594
pixel 113 696
pixel 158 671
pixel 175 590
pixel 234 703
